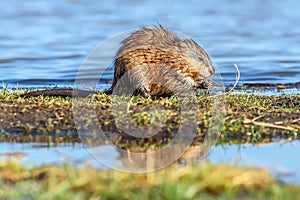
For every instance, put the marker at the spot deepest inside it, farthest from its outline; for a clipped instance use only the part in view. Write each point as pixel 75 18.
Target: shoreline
pixel 248 119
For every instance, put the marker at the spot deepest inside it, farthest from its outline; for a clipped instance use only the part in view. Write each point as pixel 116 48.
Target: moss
pixel 249 119
pixel 176 182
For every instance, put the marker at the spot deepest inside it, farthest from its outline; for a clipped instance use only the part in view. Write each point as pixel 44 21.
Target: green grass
pixel 248 119
pixel 177 182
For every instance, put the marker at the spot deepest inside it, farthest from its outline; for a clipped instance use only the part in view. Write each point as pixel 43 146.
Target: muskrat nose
pixel 208 71
pixel 212 70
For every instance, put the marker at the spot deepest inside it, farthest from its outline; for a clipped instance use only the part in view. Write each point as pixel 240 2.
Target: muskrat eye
pixel 200 58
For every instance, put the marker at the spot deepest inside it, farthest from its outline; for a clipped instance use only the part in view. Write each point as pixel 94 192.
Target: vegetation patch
pixel 176 182
pixel 248 119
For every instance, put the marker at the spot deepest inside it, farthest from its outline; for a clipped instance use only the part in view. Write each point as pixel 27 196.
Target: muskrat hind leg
pixel 139 81
pixel 132 83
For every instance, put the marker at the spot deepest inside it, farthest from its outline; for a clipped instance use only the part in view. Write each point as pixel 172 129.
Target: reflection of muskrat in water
pixel 153 62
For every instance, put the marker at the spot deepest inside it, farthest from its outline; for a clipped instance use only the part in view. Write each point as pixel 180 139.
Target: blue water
pixel 280 159
pixel 43 43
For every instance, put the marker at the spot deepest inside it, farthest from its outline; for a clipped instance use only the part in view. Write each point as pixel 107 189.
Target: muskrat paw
pixel 141 91
pixel 205 85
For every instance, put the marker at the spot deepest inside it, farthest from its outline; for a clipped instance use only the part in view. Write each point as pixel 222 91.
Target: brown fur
pixel 155 62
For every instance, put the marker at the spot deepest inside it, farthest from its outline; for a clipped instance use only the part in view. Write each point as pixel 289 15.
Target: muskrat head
pixel 197 56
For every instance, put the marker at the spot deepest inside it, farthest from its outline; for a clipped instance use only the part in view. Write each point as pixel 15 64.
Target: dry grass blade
pixel 237 78
pixel 238 75
pixel 265 124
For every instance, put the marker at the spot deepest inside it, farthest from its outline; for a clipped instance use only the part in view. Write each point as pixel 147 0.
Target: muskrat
pixel 153 62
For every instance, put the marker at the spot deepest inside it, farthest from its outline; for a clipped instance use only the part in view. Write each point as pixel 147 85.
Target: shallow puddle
pixel 281 158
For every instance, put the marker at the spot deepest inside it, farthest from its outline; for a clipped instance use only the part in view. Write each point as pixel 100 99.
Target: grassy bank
pixel 190 182
pixel 248 119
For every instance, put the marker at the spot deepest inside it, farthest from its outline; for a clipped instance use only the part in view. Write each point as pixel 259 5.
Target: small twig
pixel 256 118
pixel 295 120
pixel 265 124
pixel 282 122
